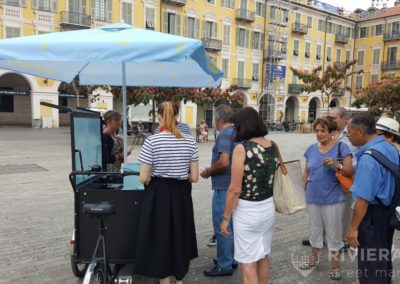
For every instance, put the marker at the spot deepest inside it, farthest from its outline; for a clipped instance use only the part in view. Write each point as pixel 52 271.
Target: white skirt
pixel 252 229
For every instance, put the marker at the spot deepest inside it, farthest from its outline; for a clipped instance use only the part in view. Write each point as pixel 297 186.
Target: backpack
pixel 395 170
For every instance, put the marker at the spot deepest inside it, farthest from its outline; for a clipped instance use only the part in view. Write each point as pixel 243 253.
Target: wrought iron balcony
pixel 242 83
pixel 386 65
pixel 341 39
pixel 176 2
pixel 391 36
pixel 245 15
pixel 295 88
pixel 71 19
pixel 212 44
pixel 299 28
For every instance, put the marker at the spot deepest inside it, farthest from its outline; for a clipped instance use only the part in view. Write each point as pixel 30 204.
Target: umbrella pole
pixel 125 122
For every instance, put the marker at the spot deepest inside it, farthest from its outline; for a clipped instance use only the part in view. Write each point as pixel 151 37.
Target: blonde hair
pixel 166 110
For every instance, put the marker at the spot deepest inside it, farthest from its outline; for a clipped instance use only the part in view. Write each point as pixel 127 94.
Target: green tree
pixel 381 96
pixel 329 82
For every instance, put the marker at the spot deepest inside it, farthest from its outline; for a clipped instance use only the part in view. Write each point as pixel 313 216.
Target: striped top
pixel 169 156
pixel 182 127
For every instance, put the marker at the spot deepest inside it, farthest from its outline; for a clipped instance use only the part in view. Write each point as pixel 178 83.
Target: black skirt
pixel 167 234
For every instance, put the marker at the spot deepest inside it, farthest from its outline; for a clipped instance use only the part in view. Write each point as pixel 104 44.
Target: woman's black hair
pixel 248 124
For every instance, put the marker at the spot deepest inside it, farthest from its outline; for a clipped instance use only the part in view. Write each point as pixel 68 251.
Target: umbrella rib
pixel 87 63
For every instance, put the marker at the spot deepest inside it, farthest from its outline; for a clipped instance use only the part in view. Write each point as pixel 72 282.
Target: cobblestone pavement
pixel 36 203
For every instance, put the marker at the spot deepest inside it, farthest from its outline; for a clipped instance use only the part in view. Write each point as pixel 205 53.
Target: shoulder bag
pixel 345 182
pixel 288 197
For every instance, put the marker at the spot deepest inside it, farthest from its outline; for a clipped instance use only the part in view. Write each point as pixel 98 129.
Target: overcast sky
pixel 351 5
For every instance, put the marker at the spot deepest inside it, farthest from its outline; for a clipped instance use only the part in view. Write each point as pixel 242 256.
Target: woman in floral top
pixel 249 196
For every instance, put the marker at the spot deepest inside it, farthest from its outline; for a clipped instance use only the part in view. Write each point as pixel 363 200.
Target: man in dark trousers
pixel 372 190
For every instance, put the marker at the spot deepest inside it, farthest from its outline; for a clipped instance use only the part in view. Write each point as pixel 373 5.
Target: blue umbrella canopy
pixel 115 55
pixel 151 58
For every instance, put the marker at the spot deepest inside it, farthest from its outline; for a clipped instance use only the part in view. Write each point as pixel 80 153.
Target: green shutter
pixel 214 30
pixel 109 10
pixel 54 6
pixel 247 41
pixel 253 40
pixel 34 4
pixel 165 22
pixel 93 8
pixel 185 26
pixel 262 41
pixel 22 3
pixel 237 36
pixel 178 24
pixel 197 28
pixel 83 7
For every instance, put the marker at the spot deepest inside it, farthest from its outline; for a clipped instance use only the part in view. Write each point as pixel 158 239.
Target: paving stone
pixel 37 216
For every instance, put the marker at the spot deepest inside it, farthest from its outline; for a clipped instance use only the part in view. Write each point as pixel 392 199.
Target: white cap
pixel 389 125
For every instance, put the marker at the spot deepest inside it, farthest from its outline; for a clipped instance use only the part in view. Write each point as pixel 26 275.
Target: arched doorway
pixel 267 108
pixel 334 103
pixel 313 109
pixel 292 109
pixel 15 100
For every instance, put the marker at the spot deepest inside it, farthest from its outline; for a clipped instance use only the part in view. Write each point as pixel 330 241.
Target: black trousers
pixel 375 236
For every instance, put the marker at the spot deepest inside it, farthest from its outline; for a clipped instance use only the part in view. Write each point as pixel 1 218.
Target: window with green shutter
pixel 127 12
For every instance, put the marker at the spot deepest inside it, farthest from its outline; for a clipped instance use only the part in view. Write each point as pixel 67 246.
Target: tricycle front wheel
pixel 78 268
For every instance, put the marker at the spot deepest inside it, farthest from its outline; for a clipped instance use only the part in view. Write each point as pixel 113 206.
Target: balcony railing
pixel 242 83
pixel 74 19
pixel 295 88
pixel 386 65
pixel 391 36
pixel 273 55
pixel 176 2
pixel 341 39
pixel 212 44
pixel 339 64
pixel 299 28
pixel 245 15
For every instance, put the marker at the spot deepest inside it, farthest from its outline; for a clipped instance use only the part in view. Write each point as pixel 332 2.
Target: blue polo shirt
pixel 322 185
pixel 372 180
pixel 223 144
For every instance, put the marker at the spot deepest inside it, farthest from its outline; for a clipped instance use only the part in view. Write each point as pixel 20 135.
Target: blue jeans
pixel 225 247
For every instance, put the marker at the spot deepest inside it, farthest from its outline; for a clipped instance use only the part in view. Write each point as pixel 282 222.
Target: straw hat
pixel 389 125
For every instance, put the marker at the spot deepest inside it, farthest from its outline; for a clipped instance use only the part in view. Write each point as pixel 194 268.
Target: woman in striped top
pixel 167 236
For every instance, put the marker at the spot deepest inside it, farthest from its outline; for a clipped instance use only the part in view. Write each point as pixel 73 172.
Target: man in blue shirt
pixel 372 190
pixel 220 173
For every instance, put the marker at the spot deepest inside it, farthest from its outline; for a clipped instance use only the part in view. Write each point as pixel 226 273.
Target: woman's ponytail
pixel 167 111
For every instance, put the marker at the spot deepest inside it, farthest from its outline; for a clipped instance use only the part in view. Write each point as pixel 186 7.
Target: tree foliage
pixel 381 96
pixel 135 95
pixel 329 82
pixel 202 97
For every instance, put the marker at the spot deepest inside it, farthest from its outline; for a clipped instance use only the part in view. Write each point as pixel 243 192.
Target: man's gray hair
pixel 343 113
pixel 223 113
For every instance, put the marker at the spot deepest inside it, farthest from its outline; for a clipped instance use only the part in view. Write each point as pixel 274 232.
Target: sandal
pixel 335 274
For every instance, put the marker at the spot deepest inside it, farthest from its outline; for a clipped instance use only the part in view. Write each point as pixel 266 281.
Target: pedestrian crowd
pixel 242 172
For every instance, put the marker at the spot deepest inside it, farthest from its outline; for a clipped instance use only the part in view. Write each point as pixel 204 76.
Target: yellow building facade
pixel 253 42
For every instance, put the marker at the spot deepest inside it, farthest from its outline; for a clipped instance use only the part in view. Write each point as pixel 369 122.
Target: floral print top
pixel 259 171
